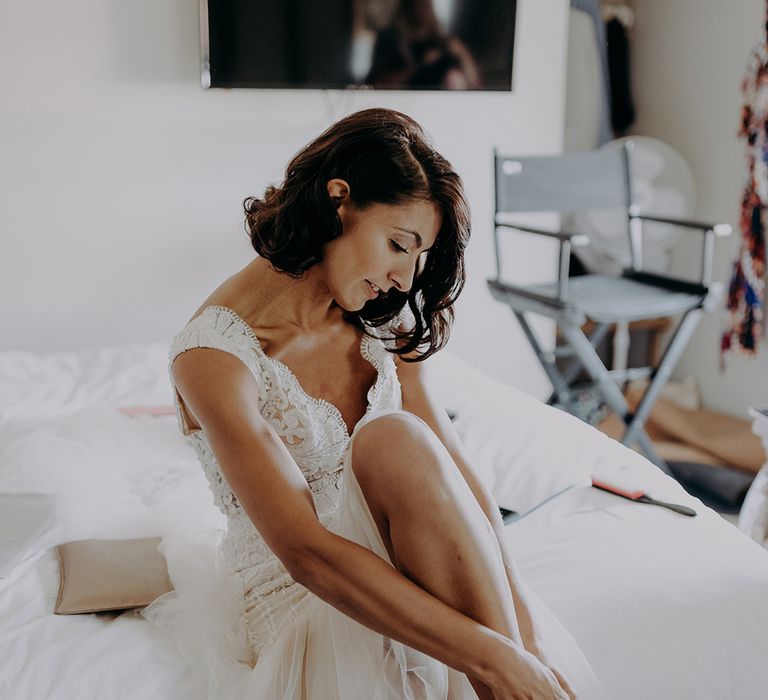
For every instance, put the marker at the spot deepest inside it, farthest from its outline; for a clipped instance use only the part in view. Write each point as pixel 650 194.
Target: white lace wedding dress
pixel 238 616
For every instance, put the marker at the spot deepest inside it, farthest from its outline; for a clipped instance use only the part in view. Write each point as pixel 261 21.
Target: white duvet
pixel 663 606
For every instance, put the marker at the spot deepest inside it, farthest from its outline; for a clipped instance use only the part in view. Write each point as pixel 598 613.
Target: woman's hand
pixel 533 645
pixel 564 684
pixel 522 676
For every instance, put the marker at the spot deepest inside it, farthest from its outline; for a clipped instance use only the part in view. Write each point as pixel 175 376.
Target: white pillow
pixel 36 385
pixel 112 476
pixel 523 449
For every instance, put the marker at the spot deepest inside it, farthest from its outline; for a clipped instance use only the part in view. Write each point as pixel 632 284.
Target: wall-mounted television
pixel 383 44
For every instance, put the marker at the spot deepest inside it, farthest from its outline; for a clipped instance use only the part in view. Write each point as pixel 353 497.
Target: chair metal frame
pixel 697 296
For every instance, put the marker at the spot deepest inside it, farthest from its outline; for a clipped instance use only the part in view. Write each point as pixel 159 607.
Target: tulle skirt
pixel 322 654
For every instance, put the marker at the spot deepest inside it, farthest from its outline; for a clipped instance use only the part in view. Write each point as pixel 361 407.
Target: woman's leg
pixel 433 528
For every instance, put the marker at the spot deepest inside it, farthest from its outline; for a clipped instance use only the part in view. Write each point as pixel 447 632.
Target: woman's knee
pixel 381 437
pixel 395 449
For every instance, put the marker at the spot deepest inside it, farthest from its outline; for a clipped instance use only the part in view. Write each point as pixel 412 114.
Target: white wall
pixel 688 59
pixel 121 180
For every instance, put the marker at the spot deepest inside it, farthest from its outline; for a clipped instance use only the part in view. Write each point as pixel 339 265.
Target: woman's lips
pixel 374 292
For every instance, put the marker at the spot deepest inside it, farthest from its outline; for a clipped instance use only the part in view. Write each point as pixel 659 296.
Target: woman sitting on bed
pixel 365 557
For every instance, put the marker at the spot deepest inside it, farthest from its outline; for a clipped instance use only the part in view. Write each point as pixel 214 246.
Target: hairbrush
pixel 638 495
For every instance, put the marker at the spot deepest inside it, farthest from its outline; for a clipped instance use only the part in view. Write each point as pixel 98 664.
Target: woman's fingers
pixel 565 685
pixel 531 679
pixel 570 694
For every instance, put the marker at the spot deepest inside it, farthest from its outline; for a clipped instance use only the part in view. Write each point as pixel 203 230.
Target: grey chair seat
pixel 611 299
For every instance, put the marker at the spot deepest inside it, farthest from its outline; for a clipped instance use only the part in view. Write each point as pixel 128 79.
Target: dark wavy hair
pixel 387 159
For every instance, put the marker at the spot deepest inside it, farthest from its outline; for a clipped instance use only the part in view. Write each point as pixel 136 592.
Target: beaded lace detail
pixel 315 434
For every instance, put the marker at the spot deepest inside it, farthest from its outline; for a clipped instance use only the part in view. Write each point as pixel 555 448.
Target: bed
pixel 663 605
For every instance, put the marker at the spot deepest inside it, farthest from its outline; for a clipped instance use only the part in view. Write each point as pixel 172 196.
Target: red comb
pixel 618 490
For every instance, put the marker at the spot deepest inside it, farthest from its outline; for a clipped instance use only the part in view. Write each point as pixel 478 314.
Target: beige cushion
pixel 99 575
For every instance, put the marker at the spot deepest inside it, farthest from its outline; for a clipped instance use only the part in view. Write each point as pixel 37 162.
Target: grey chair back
pixel 566 183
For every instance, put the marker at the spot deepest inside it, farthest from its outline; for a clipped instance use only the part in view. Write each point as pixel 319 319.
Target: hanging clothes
pixel 622 107
pixel 746 293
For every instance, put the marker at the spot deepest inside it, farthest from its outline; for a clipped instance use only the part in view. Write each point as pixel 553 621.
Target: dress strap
pixel 215 327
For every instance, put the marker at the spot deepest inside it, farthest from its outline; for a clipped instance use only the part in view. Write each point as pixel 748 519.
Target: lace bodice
pixel 313 431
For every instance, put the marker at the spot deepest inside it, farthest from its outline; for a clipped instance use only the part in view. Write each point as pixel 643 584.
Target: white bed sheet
pixel 664 606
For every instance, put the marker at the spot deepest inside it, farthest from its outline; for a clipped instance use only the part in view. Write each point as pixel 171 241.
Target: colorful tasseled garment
pixel 746 292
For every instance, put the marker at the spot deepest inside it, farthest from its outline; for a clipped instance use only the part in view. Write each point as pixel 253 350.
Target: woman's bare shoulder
pixel 239 293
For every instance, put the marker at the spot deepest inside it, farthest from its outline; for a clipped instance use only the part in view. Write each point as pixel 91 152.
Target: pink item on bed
pixel 146 410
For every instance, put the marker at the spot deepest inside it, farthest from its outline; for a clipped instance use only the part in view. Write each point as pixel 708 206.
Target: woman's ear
pixel 338 190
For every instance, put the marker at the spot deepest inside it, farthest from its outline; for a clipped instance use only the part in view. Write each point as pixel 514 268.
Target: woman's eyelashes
pixel 396 246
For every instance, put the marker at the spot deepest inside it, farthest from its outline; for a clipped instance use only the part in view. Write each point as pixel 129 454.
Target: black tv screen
pixel 395 44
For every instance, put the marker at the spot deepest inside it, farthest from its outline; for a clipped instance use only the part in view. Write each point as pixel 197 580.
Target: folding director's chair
pixel 584 181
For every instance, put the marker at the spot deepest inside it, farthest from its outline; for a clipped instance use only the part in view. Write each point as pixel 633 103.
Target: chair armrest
pixel 566 240
pixel 717 229
pixel 673 284
pixel 710 231
pixel 572 237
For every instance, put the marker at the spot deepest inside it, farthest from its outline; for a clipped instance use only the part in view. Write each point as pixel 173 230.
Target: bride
pixel 363 558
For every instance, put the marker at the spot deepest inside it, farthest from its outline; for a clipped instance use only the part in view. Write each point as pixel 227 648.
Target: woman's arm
pixel 222 396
